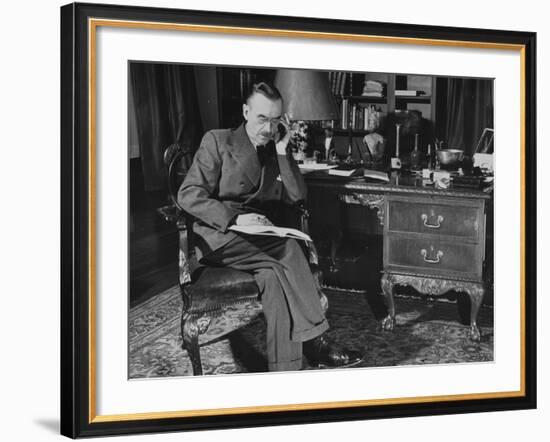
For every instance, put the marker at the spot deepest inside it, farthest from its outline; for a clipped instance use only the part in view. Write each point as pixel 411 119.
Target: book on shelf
pixel 346 170
pixel 334 78
pixel 344 116
pixel 408 93
pixel 373 94
pixel 337 81
pixel 282 232
pixel 373 88
pixel 343 83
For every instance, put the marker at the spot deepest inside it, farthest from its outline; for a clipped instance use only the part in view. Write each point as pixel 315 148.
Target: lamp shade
pixel 306 95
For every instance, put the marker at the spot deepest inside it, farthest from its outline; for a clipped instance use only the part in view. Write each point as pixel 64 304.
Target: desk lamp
pixel 306 97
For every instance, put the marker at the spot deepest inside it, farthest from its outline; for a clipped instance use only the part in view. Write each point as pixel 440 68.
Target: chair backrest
pixel 178 160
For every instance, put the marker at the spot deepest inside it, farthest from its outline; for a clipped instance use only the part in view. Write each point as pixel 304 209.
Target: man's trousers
pixel 288 292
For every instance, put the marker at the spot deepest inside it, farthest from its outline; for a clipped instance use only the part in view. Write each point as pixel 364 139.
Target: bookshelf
pixel 232 85
pixel 349 88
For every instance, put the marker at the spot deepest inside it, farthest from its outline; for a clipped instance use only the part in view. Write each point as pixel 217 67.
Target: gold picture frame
pixel 79 26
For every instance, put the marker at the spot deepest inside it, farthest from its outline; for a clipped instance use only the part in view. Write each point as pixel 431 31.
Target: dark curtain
pixel 469 109
pixel 167 113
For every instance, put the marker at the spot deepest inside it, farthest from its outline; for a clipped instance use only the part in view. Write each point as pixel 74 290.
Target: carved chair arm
pixel 177 159
pixel 170 213
pixel 311 252
pixel 303 213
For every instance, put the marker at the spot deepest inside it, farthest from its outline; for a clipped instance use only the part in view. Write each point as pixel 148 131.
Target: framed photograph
pixel 273 220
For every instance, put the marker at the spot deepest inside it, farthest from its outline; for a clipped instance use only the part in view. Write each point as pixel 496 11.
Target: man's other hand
pixel 252 219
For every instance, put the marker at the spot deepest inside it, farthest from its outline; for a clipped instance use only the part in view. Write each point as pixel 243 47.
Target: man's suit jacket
pixel 226 179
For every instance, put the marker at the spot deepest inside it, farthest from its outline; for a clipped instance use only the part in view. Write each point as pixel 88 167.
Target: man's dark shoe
pixel 322 353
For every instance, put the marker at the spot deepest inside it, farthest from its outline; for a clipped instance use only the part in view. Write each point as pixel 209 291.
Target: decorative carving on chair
pixel 370 200
pixel 184 271
pixel 190 334
pixel 203 322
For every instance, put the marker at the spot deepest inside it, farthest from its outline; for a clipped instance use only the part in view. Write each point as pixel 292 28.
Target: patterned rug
pixel 427 332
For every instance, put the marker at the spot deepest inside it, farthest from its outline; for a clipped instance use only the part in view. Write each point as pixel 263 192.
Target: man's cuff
pixel 232 221
pixel 227 222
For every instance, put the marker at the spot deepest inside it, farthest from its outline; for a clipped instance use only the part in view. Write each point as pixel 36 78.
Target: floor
pixel 425 333
pixel 153 248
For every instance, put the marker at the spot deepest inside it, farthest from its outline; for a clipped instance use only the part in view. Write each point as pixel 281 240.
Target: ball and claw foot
pixel 388 323
pixel 474 333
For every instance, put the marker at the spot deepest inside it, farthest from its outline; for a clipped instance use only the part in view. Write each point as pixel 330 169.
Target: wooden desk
pixel 433 240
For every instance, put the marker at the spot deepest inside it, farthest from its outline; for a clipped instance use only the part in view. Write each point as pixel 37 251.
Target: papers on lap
pixel 282 232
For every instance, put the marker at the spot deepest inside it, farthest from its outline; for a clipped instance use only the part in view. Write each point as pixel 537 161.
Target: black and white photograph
pixel 297 219
pixel 274 221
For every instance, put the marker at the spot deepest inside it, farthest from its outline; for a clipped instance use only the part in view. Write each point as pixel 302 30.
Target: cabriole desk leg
pixel 388 323
pixel 476 293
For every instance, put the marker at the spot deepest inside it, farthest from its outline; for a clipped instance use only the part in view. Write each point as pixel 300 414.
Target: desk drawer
pixel 432 256
pixel 434 219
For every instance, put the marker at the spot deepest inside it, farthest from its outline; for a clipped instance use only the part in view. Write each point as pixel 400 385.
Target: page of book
pixel 283 232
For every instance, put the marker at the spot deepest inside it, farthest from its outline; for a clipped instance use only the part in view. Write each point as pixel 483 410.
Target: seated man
pixel 235 176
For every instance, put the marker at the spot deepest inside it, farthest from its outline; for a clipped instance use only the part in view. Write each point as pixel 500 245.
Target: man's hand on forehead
pixel 282 143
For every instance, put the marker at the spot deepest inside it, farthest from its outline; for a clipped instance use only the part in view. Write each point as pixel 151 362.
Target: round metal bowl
pixel 450 157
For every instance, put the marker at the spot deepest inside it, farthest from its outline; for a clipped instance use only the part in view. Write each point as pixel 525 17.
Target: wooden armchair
pixel 216 300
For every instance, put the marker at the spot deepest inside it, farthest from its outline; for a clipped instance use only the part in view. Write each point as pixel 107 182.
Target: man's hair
pixel 266 89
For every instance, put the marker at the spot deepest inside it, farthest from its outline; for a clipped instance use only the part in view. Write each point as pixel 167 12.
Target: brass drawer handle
pixel 440 219
pixel 437 259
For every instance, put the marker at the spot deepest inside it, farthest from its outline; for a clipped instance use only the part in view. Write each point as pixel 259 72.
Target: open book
pixel 283 232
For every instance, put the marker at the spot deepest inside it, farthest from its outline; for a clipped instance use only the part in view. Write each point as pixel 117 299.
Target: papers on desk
pixel 346 171
pixel 376 175
pixel 282 232
pixel 311 167
pixel 484 161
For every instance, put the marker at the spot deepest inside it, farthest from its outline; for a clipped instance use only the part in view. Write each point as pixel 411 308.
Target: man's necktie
pixel 263 154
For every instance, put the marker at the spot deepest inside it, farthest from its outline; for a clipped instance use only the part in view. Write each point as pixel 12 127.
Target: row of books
pixel 354 116
pixel 338 82
pixel 371 88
